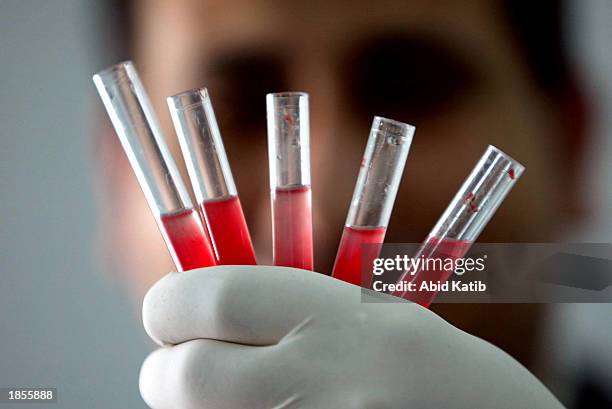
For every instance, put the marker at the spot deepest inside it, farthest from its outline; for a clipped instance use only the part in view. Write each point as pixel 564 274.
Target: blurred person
pixel 490 72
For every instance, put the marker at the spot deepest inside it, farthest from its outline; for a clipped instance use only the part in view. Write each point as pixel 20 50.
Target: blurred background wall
pixel 64 322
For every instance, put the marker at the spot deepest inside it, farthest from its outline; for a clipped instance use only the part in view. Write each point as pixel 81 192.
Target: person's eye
pixel 405 77
pixel 238 85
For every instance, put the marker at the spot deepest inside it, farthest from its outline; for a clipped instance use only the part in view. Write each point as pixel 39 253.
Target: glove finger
pixel 241 304
pixel 206 373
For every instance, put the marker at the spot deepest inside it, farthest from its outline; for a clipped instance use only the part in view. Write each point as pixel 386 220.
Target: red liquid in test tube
pixel 375 191
pixel 443 250
pixel 211 176
pixel 226 223
pixel 188 241
pixel 134 121
pixel 351 256
pixel 462 222
pixel 289 157
pixel 293 228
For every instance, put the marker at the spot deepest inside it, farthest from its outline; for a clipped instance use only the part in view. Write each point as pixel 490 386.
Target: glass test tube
pixel 215 191
pixel 463 220
pixel 136 125
pixel 289 156
pixel 377 184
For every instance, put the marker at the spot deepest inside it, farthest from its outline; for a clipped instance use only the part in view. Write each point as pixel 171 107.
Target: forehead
pixel 289 25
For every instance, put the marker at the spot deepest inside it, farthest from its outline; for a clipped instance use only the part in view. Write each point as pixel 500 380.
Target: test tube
pixel 462 222
pixel 289 156
pixel 136 125
pixel 377 184
pixel 209 170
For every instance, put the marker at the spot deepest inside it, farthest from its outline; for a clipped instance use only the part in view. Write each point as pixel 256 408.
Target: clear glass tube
pixel 211 177
pixel 289 157
pixel 134 121
pixel 464 219
pixel 379 178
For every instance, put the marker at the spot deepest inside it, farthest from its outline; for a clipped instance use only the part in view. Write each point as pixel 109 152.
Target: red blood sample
pixel 348 265
pixel 229 232
pixel 436 248
pixel 188 245
pixel 292 220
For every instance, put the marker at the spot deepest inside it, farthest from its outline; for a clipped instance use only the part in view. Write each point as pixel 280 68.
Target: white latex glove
pixel 273 337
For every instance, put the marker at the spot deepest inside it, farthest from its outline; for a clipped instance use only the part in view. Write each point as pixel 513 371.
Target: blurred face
pixel 448 69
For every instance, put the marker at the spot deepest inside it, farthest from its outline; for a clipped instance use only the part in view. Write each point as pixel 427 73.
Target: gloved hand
pixel 273 337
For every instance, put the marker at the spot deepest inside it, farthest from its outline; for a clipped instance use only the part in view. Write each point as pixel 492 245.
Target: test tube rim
pixel 516 165
pixel 117 71
pixel 404 126
pixel 393 122
pixel 286 95
pixel 198 94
